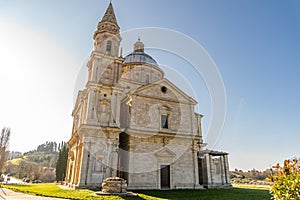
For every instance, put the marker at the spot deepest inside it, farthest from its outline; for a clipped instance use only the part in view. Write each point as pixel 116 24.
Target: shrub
pixel 286 181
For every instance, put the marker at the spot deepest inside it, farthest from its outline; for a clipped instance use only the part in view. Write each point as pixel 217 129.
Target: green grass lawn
pixel 53 190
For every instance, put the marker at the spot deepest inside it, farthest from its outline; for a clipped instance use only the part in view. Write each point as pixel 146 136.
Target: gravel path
pixel 6 194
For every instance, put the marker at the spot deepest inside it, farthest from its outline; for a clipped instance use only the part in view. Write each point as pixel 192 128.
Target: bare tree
pixel 4 141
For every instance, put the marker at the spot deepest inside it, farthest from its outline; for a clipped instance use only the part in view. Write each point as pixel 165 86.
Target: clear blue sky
pixel 255 44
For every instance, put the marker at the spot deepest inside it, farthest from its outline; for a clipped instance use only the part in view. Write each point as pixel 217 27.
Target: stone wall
pixel 184 176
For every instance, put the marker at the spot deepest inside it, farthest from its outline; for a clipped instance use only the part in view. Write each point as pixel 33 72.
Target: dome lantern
pixel 139 56
pixel 138 46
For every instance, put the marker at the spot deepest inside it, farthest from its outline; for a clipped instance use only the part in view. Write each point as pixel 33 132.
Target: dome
pixel 139 56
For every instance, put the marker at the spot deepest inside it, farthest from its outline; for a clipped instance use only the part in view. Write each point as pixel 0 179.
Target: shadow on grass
pixel 211 194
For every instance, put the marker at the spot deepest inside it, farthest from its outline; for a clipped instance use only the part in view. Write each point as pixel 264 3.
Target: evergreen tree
pixel 61 164
pixel 4 141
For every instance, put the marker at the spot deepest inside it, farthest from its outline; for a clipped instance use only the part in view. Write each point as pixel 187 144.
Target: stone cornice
pixel 136 132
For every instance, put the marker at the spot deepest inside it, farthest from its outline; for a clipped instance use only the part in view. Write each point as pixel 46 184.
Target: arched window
pixel 108 46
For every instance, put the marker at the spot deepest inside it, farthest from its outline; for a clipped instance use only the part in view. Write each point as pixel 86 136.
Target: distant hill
pixel 43 158
pixel 250 177
pixel 36 164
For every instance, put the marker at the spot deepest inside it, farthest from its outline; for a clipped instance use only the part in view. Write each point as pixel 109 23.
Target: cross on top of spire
pixel 109 15
pixel 109 22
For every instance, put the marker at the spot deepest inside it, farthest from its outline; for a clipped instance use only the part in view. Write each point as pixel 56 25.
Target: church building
pixel 132 122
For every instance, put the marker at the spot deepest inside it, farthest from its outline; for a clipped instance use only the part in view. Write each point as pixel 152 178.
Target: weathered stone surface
pixel 130 121
pixel 114 185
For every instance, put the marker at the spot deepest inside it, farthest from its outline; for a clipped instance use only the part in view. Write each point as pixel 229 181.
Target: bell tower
pixel 104 69
pixel 107 36
pixel 93 154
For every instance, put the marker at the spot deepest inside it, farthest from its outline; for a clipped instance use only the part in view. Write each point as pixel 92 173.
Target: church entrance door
pixel 165 176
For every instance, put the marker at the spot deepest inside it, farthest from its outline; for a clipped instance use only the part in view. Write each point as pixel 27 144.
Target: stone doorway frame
pixel 165 157
pixel 165 171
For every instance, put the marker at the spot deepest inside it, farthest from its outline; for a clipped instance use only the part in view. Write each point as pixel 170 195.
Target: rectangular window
pixel 108 46
pixel 164 121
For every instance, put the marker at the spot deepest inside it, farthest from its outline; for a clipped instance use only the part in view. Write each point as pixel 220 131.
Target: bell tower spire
pixel 109 22
pixel 107 36
pixel 109 15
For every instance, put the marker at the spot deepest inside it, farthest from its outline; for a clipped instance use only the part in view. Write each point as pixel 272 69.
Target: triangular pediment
pixel 164 90
pixel 165 153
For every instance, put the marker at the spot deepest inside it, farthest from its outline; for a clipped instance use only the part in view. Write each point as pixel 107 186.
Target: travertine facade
pixel 131 122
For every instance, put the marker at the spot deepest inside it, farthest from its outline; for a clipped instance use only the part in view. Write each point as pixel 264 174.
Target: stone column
pixel 76 167
pixel 114 159
pixel 208 169
pixel 93 71
pixel 108 163
pixel 96 71
pixel 195 163
pixel 118 107
pixel 68 169
pixel 75 164
pixel 223 172
pixel 79 160
pixel 227 175
pixel 73 173
pixel 70 173
pixel 91 104
pixel 115 107
pixel 212 172
pixel 85 170
pixel 91 110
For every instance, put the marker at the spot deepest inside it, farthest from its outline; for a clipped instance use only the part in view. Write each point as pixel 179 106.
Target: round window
pixel 163 89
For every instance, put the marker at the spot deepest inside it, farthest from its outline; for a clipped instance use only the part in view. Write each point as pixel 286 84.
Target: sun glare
pixel 36 81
